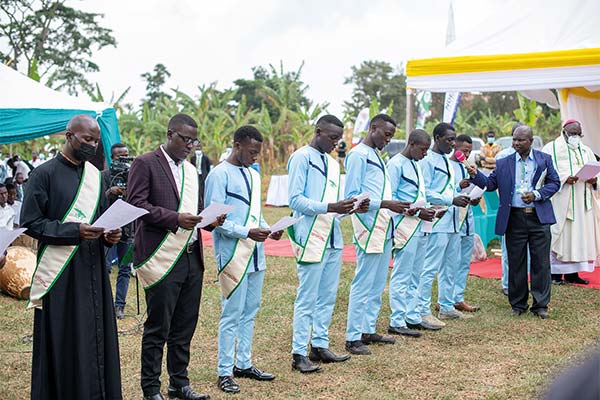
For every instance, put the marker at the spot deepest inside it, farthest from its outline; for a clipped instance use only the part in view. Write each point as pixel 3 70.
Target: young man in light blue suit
pixel 373 233
pixel 408 185
pixel 240 256
pixel 314 192
pixel 443 241
pixel 466 224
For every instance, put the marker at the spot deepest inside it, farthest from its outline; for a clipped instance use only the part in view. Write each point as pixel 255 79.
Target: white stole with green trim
pixel 54 259
pixel 449 189
pixel 234 270
pixel 371 239
pixel 407 225
pixel 156 267
pixel 316 241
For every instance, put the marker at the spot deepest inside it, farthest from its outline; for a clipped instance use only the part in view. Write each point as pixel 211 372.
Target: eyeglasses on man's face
pixel 187 140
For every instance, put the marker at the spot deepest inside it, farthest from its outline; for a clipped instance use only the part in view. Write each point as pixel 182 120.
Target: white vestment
pixel 576 234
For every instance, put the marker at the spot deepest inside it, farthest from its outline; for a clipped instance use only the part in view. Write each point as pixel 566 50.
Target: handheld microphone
pixel 460 156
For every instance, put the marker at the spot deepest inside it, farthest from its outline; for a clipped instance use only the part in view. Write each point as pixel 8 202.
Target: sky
pixel 201 42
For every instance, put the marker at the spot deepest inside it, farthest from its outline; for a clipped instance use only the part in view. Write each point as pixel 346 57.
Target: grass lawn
pixel 492 355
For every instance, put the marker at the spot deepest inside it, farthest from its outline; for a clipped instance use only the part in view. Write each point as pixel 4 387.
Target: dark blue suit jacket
pixel 503 179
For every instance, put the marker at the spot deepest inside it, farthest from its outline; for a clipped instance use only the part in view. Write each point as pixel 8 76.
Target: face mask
pixel 84 152
pixel 491 140
pixel 574 141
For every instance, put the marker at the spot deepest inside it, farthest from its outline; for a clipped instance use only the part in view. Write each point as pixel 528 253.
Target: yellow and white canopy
pixel 527 46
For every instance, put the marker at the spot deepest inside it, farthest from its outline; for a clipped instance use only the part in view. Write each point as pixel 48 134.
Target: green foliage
pixel 154 83
pixel 284 116
pixel 528 111
pixel 376 80
pixel 53 41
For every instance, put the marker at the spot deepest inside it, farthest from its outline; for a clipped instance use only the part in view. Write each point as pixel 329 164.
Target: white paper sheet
pixel 588 171
pixel 212 212
pixel 467 190
pixel 359 199
pixel 119 214
pixel 476 193
pixel 283 223
pixel 7 237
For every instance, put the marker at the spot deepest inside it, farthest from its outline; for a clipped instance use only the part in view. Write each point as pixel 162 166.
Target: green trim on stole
pixel 235 269
pixel 407 226
pixel 322 225
pixel 53 259
pixel 168 252
pixel 374 244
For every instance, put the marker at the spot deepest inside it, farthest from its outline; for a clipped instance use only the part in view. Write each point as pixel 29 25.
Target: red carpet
pixel 491 268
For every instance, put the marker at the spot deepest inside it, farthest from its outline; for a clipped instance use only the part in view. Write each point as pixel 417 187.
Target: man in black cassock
pixel 75 348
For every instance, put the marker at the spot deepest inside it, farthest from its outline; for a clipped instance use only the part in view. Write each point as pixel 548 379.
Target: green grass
pixel 491 356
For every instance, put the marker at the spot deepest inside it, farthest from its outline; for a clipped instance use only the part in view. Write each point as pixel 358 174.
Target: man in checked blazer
pixel 156 182
pixel 525 183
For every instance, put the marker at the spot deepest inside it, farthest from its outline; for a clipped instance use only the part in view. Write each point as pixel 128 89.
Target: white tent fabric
pixel 525 45
pixel 29 109
pixel 27 93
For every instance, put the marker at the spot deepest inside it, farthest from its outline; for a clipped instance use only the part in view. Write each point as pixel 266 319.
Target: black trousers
pixel 524 229
pixel 172 305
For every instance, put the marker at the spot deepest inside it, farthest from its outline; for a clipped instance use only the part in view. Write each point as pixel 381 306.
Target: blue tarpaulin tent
pixel 29 110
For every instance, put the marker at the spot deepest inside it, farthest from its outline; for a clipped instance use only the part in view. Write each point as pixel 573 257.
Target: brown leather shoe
pixel 462 306
pixel 437 307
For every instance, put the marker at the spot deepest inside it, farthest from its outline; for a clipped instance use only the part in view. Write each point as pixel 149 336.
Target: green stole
pixel 563 163
pixel 54 259
pixel 316 241
pixel 235 269
pixel 158 265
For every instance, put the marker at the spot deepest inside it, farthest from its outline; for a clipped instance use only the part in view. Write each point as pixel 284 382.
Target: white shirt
pixel 7 216
pixel 17 207
pixel 177 171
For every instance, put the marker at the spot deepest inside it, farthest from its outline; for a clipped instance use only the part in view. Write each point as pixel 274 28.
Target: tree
pixel 53 41
pixel 154 82
pixel 376 80
pixel 275 88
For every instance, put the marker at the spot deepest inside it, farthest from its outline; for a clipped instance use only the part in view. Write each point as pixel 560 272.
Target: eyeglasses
pixel 188 140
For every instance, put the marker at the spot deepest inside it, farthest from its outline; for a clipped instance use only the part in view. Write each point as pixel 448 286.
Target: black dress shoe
pixel 423 326
pixel 303 364
pixel 156 396
pixel 186 393
pixel 404 331
pixel 252 373
pixel 515 312
pixel 574 278
pixel 369 338
pixel 541 313
pixel 326 356
pixel 228 384
pixel 357 347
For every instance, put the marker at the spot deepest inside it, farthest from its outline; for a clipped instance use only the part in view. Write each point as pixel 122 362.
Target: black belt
pixel 526 210
pixel 191 246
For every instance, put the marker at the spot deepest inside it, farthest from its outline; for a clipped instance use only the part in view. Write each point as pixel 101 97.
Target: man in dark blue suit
pixel 525 183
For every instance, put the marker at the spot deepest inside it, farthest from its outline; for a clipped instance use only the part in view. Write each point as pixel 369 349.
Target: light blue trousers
pixel 237 324
pixel 442 253
pixel 462 272
pixel 367 287
pixel 404 282
pixel 505 263
pixel 315 300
